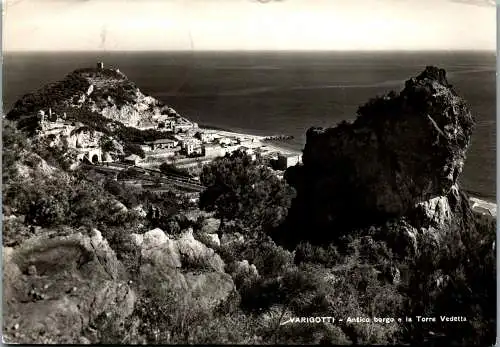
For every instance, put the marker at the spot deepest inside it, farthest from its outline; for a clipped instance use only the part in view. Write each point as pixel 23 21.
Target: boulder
pixel 158 249
pixel 212 240
pixel 194 252
pixel 30 164
pixel 210 288
pixel 56 287
pixel 210 226
pixel 184 266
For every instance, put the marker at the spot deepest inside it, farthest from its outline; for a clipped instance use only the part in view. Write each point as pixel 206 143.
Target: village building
pixel 89 155
pixel 144 147
pixel 213 150
pixel 286 160
pixel 192 146
pixel 133 159
pixel 147 126
pixel 166 125
pixel 162 144
pixel 206 137
pixel 225 141
pixel 183 125
pixel 181 128
pixel 165 153
pixel 248 151
pixel 262 151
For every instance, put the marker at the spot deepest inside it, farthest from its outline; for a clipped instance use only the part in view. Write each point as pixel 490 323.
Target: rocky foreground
pixel 378 227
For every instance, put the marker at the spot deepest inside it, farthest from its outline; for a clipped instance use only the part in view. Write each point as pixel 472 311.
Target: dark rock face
pixel 402 150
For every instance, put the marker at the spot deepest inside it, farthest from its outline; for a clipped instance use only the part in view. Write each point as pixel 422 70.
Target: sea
pixel 271 93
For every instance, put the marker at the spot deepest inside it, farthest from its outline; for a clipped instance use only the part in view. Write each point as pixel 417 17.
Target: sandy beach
pixel 259 140
pixel 483 206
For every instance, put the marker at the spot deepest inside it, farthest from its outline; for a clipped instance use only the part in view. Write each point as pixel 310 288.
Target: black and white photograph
pixel 249 172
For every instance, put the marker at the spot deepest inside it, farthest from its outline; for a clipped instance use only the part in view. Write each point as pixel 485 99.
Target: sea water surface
pixel 268 93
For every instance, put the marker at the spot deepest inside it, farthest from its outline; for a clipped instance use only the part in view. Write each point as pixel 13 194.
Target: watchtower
pixel 100 65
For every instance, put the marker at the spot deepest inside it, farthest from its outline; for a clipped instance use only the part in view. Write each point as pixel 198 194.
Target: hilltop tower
pixel 100 65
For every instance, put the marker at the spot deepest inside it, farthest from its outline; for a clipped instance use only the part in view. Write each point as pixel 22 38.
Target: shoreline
pixel 258 138
pixel 483 206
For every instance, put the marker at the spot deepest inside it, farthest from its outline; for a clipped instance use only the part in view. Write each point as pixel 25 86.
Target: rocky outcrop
pixel 56 288
pixel 29 164
pixel 64 287
pixel 184 265
pixel 210 226
pixel 404 152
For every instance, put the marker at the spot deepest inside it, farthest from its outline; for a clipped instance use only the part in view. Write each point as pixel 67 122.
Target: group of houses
pixel 206 146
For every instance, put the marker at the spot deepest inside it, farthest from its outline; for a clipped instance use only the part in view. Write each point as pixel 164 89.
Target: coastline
pixel 259 139
pixel 480 205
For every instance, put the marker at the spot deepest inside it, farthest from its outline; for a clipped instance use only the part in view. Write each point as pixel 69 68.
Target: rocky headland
pixel 105 91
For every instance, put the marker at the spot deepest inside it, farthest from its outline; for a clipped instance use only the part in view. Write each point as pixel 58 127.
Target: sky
pixel 138 25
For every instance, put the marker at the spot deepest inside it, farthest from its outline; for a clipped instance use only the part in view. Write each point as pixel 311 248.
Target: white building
pixel 162 144
pixel 287 160
pixel 248 151
pixel 206 137
pixel 192 146
pixel 166 125
pixel 213 150
pixel 226 141
pixel 133 159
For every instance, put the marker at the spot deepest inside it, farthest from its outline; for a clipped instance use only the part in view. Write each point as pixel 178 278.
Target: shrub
pixel 305 252
pixel 269 259
pixel 456 277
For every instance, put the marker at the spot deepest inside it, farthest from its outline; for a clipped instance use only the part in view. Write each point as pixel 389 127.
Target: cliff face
pixel 403 154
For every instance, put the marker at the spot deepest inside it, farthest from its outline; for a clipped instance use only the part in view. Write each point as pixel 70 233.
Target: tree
pixel 244 191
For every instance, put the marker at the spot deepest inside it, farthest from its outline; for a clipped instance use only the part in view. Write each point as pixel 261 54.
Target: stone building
pixel 192 147
pixel 162 144
pixel 287 160
pixel 133 159
pixel 212 150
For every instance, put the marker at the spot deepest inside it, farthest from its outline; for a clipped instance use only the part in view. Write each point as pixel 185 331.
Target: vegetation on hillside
pixel 246 192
